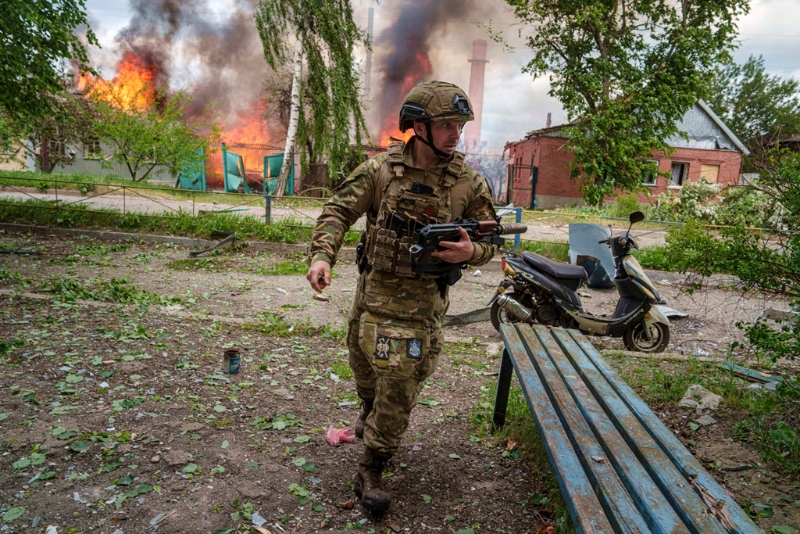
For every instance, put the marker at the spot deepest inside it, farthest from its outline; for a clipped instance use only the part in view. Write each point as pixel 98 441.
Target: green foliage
pixel 181 224
pixel 330 114
pixel 118 290
pixel 737 206
pixel 773 427
pixel 746 206
pixel 283 268
pixel 37 38
pixel 628 71
pixel 157 136
pixel 654 257
pixel 753 103
pixel 625 205
pixel 554 251
pixel 768 263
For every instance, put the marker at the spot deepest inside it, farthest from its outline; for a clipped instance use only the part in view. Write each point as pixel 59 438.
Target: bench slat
pixel 687 464
pixel 671 482
pixel 583 504
pixel 599 438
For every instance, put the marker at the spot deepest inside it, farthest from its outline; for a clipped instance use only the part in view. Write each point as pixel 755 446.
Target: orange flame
pixel 248 128
pixel 390 126
pixel 133 89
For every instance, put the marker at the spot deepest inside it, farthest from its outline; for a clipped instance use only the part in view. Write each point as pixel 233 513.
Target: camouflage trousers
pixel 391 358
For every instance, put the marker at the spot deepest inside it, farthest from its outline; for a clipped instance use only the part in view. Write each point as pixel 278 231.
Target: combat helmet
pixel 435 101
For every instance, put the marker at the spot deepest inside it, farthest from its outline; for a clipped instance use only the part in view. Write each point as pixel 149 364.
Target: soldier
pixel 394 330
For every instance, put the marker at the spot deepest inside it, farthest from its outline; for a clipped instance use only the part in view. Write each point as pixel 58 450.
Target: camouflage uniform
pixel 394 326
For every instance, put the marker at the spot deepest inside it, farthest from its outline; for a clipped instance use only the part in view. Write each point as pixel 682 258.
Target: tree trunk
pixel 294 117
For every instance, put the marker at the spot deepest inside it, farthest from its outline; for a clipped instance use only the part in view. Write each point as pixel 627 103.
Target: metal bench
pixel 620 469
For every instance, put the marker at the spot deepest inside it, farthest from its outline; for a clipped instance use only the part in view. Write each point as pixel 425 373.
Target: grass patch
pixel 284 268
pixel 88 183
pixel 521 429
pixel 342 369
pixel 553 251
pixel 275 324
pixel 44 213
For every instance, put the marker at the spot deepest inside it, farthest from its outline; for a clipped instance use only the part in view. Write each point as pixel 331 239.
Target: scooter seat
pixel 564 271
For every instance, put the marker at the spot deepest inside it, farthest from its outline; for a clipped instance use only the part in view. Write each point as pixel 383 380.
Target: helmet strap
pixel 440 153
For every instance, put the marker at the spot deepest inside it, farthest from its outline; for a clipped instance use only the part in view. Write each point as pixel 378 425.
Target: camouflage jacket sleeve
pixel 350 201
pixel 481 208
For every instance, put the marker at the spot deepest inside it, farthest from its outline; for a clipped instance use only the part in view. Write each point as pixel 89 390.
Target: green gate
pixel 272 169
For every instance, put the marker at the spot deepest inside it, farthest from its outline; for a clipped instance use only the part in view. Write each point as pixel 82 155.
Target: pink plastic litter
pixel 335 436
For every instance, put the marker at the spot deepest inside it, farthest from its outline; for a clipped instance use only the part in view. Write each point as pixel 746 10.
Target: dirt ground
pixel 118 418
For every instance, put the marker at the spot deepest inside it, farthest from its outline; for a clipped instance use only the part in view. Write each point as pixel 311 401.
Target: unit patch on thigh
pixel 382 348
pixel 414 348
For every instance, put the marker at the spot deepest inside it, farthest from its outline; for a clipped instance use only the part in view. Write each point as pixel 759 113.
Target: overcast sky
pixel 514 103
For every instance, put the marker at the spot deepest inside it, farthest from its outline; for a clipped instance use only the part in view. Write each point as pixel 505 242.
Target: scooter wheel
pixel 635 340
pixel 497 315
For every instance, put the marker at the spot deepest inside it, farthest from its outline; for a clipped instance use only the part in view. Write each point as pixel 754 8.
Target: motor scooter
pixel 539 290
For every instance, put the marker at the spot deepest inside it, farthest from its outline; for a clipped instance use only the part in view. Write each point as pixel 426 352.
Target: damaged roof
pixel 704 129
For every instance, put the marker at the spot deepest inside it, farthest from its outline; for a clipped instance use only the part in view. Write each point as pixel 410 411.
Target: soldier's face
pixel 445 134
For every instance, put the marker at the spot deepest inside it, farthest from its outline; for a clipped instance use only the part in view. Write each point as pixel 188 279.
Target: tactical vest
pixel 388 241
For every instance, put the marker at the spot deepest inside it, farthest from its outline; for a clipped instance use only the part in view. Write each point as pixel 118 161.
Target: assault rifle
pixel 428 238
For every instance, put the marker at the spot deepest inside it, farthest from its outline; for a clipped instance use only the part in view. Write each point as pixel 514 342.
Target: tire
pixel 498 315
pixel 634 338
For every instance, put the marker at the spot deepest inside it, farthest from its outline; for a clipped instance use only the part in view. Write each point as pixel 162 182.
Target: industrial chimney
pixel 472 136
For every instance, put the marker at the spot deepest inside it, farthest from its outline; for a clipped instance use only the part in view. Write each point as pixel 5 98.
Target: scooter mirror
pixel 636 216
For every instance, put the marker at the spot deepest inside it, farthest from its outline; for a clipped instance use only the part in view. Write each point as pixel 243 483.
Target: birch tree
pixel 322 35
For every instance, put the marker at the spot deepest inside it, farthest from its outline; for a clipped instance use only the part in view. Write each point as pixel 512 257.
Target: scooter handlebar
pixel 602 242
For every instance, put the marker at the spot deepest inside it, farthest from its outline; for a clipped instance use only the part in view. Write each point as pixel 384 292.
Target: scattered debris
pixel 777 314
pixel 750 374
pixel 475 316
pixel 669 313
pixel 258 519
pixel 321 297
pixel 598 459
pixel 698 397
pixel 335 436
pixel 740 468
pixel 348 504
pixel 477 273
pixel 706 420
pixel 229 237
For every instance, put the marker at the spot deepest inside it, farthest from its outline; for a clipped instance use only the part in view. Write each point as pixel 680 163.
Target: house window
pixel 650 177
pixel 91 149
pixel 679 172
pixel 709 173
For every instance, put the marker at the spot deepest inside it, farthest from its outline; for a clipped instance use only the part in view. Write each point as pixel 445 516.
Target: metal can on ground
pixel 231 360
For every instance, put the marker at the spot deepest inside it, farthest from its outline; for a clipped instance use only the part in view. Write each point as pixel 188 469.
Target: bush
pixel 695 202
pixel 625 205
pixel 745 206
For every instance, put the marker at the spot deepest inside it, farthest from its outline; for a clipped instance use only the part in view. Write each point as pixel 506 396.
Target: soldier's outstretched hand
pixel 319 275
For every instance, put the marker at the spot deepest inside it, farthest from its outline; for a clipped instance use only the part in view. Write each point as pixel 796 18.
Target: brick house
pixel 538 173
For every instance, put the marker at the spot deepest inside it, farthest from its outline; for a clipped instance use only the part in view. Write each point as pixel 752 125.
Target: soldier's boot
pixel 368 484
pixel 358 425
